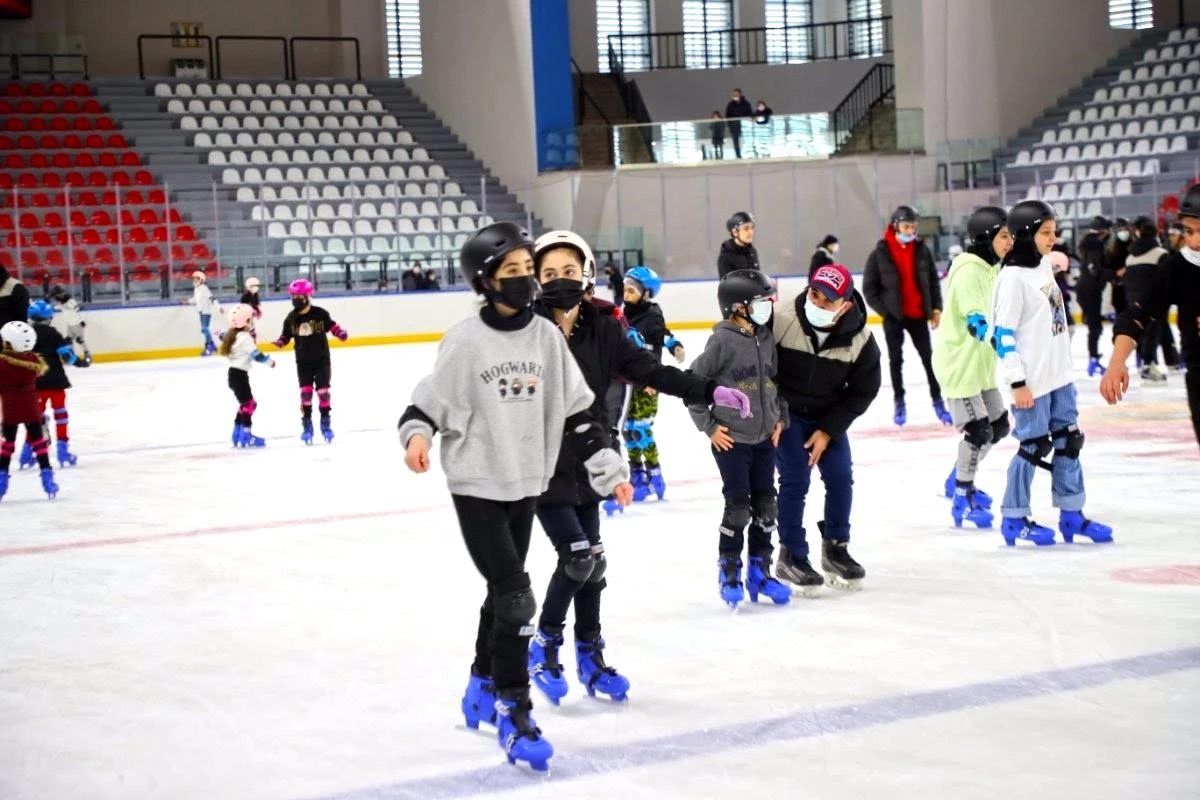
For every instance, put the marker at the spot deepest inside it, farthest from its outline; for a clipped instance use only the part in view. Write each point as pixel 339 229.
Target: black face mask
pixel 562 293
pixel 517 293
pixel 299 303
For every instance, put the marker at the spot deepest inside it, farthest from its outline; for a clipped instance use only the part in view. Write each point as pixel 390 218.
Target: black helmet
pixel 985 223
pixel 740 287
pixel 738 219
pixel 1121 223
pixel 483 252
pixel 905 214
pixel 1027 216
pixel 1190 207
pixel 1101 223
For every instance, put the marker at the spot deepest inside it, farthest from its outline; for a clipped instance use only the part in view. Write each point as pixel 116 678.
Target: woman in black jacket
pixel 824 254
pixel 1146 257
pixel 1094 273
pixel 569 510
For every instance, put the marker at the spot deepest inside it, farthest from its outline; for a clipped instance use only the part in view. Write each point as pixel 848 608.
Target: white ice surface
pixel 187 621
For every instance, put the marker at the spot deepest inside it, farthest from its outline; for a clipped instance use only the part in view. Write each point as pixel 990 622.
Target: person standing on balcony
pixel 900 282
pixel 737 109
pixel 716 133
pixel 762 128
pixel 737 252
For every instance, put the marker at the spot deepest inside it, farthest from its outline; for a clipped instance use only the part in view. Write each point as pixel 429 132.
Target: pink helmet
pixel 1059 261
pixel 301 286
pixel 240 315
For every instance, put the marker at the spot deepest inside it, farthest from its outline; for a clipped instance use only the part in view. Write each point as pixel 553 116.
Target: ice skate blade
pixel 846 585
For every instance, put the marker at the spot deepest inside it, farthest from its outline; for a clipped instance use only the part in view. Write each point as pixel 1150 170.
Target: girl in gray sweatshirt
pixel 505 394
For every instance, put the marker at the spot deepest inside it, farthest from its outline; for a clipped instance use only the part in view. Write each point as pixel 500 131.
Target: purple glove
pixel 279 343
pixel 339 332
pixel 732 398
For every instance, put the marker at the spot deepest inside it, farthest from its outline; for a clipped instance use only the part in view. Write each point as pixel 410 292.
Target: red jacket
pixel 18 387
pixel 904 256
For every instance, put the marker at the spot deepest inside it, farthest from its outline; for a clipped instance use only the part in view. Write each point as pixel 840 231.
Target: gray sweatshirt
pixel 746 361
pixel 500 400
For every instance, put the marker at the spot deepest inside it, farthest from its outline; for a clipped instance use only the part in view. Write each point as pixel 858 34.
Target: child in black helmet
pixel 495 495
pixel 737 252
pixel 1032 339
pixel 900 282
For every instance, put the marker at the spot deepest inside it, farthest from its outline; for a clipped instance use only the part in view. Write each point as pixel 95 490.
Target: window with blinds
pixel 707 36
pixel 628 22
pixel 402 19
pixel 786 43
pixel 865 28
pixel 1130 14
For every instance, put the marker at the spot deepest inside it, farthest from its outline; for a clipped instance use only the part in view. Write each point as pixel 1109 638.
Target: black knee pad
pixel 978 433
pixel 576 561
pixel 1074 441
pixel 597 575
pixel 1041 447
pixel 516 607
pixel 1000 428
pixel 765 510
pixel 737 515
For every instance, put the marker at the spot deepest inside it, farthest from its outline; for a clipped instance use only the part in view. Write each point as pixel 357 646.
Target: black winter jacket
pixel 48 346
pixel 1145 258
pixel 1176 282
pixel 833 383
pixel 881 281
pixel 603 351
pixel 820 258
pixel 1093 266
pixel 14 299
pixel 735 256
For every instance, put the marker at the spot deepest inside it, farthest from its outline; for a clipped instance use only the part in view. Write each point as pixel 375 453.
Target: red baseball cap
pixel 834 281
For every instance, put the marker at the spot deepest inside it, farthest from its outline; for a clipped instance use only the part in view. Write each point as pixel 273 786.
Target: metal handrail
pixel 287 73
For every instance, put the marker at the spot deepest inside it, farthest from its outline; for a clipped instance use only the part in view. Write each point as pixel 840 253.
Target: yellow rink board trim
pixel 368 341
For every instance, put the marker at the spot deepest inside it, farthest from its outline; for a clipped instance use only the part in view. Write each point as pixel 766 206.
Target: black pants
pixel 748 483
pixel 1119 300
pixel 1193 394
pixel 893 331
pixel 572 529
pixel 239 382
pixel 1157 335
pixel 35 435
pixel 497 538
pixel 614 406
pixel 1089 304
pixel 735 133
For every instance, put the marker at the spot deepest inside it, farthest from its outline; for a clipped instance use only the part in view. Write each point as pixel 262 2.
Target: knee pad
pixel 515 608
pixel 978 433
pixel 1000 428
pixel 766 511
pixel 1074 441
pixel 737 516
pixel 639 434
pixel 1035 449
pixel 601 564
pixel 576 562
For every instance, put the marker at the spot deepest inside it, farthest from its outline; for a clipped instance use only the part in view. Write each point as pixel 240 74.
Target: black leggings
pixel 893 331
pixel 1089 304
pixel 497 537
pixel 572 529
pixel 239 383
pixel 35 435
pixel 1193 394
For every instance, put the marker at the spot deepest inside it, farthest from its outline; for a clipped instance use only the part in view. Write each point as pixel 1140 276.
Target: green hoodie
pixel 965 366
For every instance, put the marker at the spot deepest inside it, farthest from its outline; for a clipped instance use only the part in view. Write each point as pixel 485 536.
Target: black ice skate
pixel 842 570
pixel 799 572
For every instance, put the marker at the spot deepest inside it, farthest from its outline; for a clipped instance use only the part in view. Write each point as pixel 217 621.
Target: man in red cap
pixel 828 373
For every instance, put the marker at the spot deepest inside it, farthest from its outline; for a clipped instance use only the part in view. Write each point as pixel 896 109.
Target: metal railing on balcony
pixel 819 41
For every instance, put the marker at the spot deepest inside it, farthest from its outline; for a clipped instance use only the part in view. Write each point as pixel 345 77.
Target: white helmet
pixel 199 275
pixel 570 239
pixel 252 284
pixel 241 315
pixel 19 335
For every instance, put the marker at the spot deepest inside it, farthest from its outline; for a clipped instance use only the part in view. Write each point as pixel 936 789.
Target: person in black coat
pixel 14 299
pixel 737 109
pixel 614 277
pixel 762 128
pixel 737 252
pixel 1146 258
pixel 569 510
pixel 1094 274
pixel 824 254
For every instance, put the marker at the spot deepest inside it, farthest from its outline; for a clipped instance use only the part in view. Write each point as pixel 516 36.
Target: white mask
pixel 1192 256
pixel 760 311
pixel 820 317
pixel 833 248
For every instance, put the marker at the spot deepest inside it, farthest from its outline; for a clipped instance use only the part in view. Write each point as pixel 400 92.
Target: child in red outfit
pixel 19 371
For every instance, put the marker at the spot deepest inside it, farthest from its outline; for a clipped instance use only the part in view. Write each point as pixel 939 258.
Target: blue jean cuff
pixel 1071 502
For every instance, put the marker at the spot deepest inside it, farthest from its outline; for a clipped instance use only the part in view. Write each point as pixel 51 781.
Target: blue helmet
pixel 645 279
pixel 41 310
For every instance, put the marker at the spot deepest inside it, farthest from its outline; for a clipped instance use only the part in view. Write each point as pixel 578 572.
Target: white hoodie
pixel 1030 323
pixel 202 299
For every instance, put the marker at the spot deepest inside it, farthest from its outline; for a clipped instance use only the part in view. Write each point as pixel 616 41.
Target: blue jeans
pixel 1050 412
pixel 795 475
pixel 205 322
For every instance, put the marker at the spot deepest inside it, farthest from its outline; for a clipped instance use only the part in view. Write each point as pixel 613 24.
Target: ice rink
pixel 189 621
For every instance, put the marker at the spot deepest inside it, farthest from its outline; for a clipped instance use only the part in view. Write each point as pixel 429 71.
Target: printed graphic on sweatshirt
pixel 1058 312
pixel 746 378
pixel 515 381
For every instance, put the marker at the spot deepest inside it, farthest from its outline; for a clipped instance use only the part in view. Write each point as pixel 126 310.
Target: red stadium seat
pixel 173 216
pixel 51 180
pixel 112 236
pixel 153 255
pixel 201 252
pixel 75 179
pixel 136 235
pixel 41 239
pixel 59 160
pixel 129 255
pixel 120 178
pixel 105 124
pixel 185 233
pixel 30 222
pixel 97 179
pixel 81 124
pixel 80 90
pixel 133 197
pixel 26 142
pixel 127 218
pixel 58 90
pixel 6 181
pixel 14 161
pixel 13 90
pixel 6 107
pixel 78 219
pixel 47 142
pixel 101 218
pixel 147 216
pixel 108 159
pixel 117 140
pixel 6 260
pixel 156 197
pixel 54 258
pixel 65 107
pixel 72 142
pixel 130 159
pixel 94 141
pixel 6 143
pixel 40 200
pixel 29 259
pixel 143 178
pixel 104 256
pixel 89 236
pixel 6 222
pixel 92 107
pixel 159 233
pixel 85 160
pixel 52 220
pixel 61 123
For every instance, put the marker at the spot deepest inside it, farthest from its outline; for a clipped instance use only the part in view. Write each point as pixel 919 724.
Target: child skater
pixel 309 325
pixel 19 371
pixel 52 385
pixel 250 298
pixel 72 322
pixel 649 330
pixel 741 352
pixel 1031 339
pixel 569 510
pixel 499 449
pixel 202 298
pixel 239 347
pixel 965 363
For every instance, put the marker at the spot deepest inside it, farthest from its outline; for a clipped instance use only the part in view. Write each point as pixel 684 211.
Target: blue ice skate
pixel 982 498
pixel 48 484
pixel 247 439
pixel 545 670
pixel 3 484
pixel 1095 368
pixel 27 459
pixel 209 349
pixel 760 581
pixel 657 484
pixel 594 674
pixel 1074 523
pixel 966 506
pixel 306 433
pixel 900 413
pixel 729 578
pixel 517 733
pixel 939 408
pixel 611 506
pixel 65 457
pixel 479 701
pixel 641 485
pixel 326 429
pixel 1025 529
